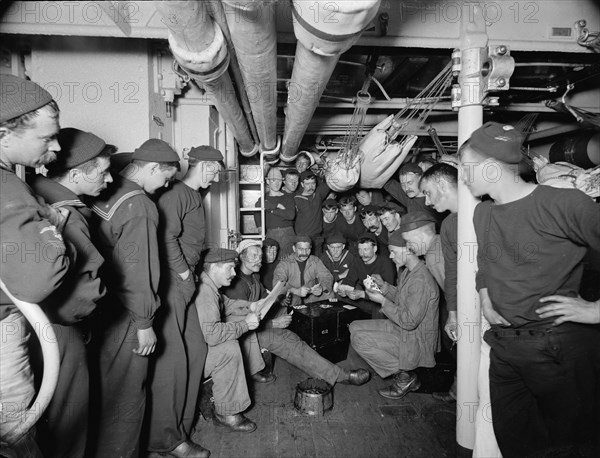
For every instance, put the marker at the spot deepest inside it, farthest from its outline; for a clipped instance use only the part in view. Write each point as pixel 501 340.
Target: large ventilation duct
pixel 200 49
pixel 254 36
pixel 582 150
pixel 324 31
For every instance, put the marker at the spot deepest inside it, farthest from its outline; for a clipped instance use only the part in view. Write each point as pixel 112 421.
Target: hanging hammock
pixel 342 172
pixel 380 151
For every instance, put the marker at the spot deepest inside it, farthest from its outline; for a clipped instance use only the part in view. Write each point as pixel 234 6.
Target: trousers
pixel 544 389
pixel 120 386
pixel 380 344
pixel 287 345
pixel 64 426
pixel 175 373
pixel 225 364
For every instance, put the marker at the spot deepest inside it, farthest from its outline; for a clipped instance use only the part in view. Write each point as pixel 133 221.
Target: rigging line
pixel 433 83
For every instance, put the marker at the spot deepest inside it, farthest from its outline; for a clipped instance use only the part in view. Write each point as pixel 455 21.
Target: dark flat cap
pixel 19 96
pixel 220 255
pixel 414 220
pixel 205 153
pixel 155 150
pixel 329 203
pixel 336 237
pixel 77 147
pixel 270 242
pixel 369 236
pixel 411 167
pixel 301 238
pixel 396 239
pixel 369 209
pixel 306 175
pixel 500 141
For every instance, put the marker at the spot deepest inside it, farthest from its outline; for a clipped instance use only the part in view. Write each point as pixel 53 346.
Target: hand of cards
pixel 340 288
pixel 370 284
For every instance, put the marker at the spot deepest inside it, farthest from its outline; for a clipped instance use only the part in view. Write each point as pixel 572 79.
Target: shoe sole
pixel 216 422
pixel 414 387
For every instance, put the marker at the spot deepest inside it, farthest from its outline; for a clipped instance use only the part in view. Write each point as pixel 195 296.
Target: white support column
pixel 470 117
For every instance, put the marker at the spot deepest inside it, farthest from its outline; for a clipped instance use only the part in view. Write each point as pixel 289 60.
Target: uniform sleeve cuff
pixel 243 326
pixel 144 323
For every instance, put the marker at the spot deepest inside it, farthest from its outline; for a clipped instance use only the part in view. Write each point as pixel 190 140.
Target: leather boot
pixel 404 383
pixel 237 423
pixel 187 449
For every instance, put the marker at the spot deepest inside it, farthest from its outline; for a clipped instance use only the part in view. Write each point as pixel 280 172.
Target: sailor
pixel 28 136
pixel 126 224
pixel 408 338
pixel 224 361
pixel 176 373
pixel 81 170
pixel 309 220
pixel 418 229
pixel 407 192
pixel 532 240
pixel 305 275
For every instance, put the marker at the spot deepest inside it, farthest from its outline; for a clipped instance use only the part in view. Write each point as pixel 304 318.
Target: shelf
pixel 250 183
pixel 251 236
pixel 250 209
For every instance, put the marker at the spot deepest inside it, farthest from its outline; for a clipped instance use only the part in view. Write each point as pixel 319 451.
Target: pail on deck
pixel 313 397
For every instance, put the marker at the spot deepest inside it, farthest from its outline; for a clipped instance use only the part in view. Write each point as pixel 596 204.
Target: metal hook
pixel 570 87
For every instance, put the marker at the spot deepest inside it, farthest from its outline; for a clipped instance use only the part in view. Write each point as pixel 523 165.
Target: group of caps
pixel 79 147
pixel 410 221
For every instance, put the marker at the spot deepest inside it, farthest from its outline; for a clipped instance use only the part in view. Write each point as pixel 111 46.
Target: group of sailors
pixel 143 312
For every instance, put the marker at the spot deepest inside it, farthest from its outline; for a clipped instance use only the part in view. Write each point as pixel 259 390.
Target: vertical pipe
pixel 470 117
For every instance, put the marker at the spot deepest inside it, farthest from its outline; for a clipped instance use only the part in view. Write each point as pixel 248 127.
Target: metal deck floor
pixel 361 423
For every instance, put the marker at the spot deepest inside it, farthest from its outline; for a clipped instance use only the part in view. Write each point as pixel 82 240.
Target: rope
pixel 349 150
pixel 421 106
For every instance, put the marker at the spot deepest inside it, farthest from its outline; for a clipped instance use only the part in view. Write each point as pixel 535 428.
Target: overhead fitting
pixel 494 66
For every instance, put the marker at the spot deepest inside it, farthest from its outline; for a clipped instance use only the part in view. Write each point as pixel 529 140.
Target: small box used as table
pixel 324 326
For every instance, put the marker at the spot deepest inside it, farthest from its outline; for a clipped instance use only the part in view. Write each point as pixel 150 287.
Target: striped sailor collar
pixel 111 199
pixel 54 193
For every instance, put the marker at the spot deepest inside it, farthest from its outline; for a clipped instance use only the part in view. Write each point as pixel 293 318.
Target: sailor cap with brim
pixel 499 141
pixel 414 220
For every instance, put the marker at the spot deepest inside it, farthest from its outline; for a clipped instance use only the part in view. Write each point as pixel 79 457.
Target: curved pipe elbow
pixel 207 65
pixel 331 29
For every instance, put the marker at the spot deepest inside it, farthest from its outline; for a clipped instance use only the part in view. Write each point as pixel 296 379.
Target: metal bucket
pixel 313 397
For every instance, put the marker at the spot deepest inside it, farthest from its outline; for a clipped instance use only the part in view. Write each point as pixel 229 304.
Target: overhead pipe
pixel 582 150
pixel 218 14
pixel 200 49
pixel 323 35
pixel 254 35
